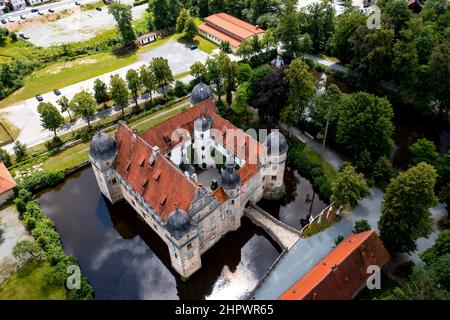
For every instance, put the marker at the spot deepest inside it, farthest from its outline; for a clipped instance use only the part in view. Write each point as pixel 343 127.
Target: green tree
pixel 148 79
pixel 268 39
pixel 213 75
pixel 25 249
pixel 326 105
pixel 423 150
pixel 20 150
pixel 190 29
pixel 440 248
pixel 229 71
pixel 198 71
pixel 346 25
pixel 288 29
pixel 397 15
pixel 439 78
pixel 124 18
pixel 256 44
pixel 173 7
pixel 51 119
pixel 405 215
pixel 306 44
pixel 318 21
pixel 241 100
pixel 244 73
pixel 225 47
pixel 5 158
pixel 245 50
pixel 134 84
pixel 100 91
pixel 301 89
pixel 382 170
pixel 83 104
pixel 372 54
pixel 361 226
pixel 348 187
pixel 63 102
pixel 161 70
pixel 159 9
pixel 365 123
pixel 179 89
pixel 181 21
pixel 119 92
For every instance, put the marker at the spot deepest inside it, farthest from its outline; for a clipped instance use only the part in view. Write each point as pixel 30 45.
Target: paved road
pixel 24 115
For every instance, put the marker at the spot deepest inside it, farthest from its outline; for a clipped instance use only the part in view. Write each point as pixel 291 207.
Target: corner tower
pixel 277 147
pixel 102 154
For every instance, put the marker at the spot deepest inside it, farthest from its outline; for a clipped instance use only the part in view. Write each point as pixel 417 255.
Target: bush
pixel 55 143
pixel 339 239
pixel 310 169
pixel 361 226
pixel 179 89
pixel 40 180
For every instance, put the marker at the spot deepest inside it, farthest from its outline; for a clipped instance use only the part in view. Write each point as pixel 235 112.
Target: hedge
pixel 40 180
pixel 308 168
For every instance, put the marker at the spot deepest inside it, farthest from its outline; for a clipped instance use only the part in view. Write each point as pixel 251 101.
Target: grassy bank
pixel 29 283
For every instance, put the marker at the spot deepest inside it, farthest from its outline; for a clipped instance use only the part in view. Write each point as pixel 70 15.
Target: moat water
pixel 124 259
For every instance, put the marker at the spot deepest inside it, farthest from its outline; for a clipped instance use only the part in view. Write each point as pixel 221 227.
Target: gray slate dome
pixel 276 144
pixel 229 178
pixel 103 147
pixel 202 123
pixel 200 92
pixel 178 223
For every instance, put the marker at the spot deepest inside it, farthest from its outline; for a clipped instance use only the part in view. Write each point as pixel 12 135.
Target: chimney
pixel 155 150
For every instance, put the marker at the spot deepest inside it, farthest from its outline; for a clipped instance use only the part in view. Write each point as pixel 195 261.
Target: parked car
pixel 98 9
pixel 51 10
pixel 40 13
pixel 23 17
pixel 3 21
pixel 57 92
pixel 11 19
pixel 77 3
pixel 34 10
pixel 193 47
pixel 39 98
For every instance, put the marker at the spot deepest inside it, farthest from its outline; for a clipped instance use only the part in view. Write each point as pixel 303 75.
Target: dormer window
pixel 145 184
pixel 162 199
pixel 128 166
pixel 156 175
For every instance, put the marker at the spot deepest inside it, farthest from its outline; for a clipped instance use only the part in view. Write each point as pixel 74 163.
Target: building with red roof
pixel 222 27
pixel 343 273
pixel 7 184
pixel 189 177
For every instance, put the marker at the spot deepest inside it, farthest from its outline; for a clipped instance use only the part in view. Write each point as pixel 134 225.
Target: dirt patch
pixel 39 20
pixel 69 64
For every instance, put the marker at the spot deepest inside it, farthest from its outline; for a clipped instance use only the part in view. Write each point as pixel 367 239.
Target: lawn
pixel 62 74
pixel 315 227
pixel 29 283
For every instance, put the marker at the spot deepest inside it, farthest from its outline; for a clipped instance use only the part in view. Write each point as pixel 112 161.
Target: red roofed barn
pixel 222 27
pixel 342 274
pixel 7 184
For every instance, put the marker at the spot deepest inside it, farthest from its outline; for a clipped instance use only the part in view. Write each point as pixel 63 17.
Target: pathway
pixel 284 235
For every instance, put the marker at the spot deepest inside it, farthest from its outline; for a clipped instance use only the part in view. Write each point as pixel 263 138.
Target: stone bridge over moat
pixel 283 234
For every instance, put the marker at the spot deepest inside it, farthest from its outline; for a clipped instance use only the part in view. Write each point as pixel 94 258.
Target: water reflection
pixel 297 203
pixel 123 259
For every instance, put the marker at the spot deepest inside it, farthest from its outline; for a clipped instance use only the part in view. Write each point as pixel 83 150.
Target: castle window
pixel 213 236
pixel 222 216
pixel 190 254
pixel 114 181
pixel 189 246
pixel 274 178
pixel 201 235
pixel 232 201
pixel 203 156
pixel 202 135
pixel 203 148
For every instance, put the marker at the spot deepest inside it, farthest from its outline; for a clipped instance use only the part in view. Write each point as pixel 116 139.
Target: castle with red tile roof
pixel 189 177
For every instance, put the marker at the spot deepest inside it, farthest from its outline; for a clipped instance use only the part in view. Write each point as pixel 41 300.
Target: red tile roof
pixel 351 259
pixel 6 180
pixel 135 150
pixel 170 190
pixel 229 28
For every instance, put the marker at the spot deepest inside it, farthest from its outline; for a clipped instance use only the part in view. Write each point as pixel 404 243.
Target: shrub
pixel 361 226
pixel 339 239
pixel 20 205
pixel 179 89
pixel 41 179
